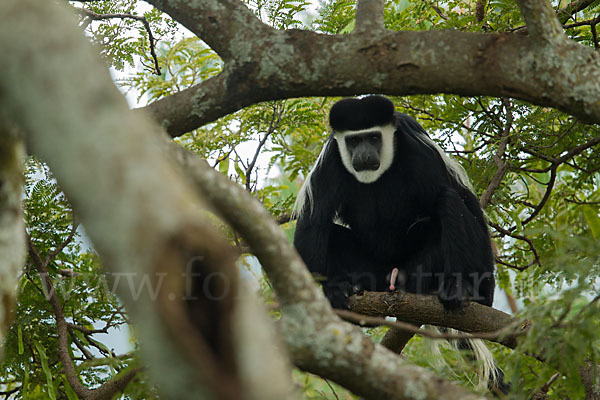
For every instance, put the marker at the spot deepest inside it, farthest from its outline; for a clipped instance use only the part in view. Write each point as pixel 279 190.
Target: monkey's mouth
pixel 372 166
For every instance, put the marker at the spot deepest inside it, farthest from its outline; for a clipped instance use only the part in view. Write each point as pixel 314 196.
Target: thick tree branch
pixel 294 63
pixel 495 325
pixel 421 309
pixel 138 210
pixel 141 214
pixel 396 339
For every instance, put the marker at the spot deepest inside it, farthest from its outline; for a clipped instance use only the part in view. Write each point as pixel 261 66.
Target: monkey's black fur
pixel 356 114
pixel 417 216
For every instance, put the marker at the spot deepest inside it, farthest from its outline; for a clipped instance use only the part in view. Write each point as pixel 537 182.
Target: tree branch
pixel 501 165
pixel 152 41
pixel 12 239
pixel 509 232
pixel 396 339
pixel 166 230
pixel 542 22
pixel 294 63
pixel 369 16
pixel 565 13
pixel 206 20
pixel 419 309
pixel 275 120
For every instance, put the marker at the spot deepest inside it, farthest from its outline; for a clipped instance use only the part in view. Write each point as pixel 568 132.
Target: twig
pixel 532 248
pixel 275 120
pixel 574 7
pixel 98 17
pixel 367 320
pixel 590 22
pixel 11 391
pixel 331 388
pixel 502 166
pixel 549 188
pixel 86 353
pixel 439 12
pixel 543 392
pixel 575 200
pixel 559 136
pixel 52 255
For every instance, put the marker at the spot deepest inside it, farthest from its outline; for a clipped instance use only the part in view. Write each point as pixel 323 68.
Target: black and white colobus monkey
pixel 384 207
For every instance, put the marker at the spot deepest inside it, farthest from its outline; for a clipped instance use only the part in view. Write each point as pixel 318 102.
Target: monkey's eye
pixel 373 139
pixel 353 141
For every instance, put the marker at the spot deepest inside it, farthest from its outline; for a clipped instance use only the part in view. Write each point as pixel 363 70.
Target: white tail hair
pixel 305 193
pixel 486 369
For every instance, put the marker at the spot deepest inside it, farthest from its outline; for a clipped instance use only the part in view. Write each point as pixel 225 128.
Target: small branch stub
pixel 369 16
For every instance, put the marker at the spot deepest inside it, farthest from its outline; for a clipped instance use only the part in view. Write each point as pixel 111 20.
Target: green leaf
pixel 591 217
pixel 514 215
pixel 348 28
pixel 44 362
pixel 25 380
pixel 68 390
pixel 240 172
pixel 224 166
pixel 20 339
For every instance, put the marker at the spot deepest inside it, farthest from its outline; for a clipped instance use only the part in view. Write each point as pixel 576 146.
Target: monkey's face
pixel 367 153
pixel 364 150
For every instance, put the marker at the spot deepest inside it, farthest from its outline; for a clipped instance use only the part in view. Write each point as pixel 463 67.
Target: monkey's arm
pixel 311 240
pixel 466 251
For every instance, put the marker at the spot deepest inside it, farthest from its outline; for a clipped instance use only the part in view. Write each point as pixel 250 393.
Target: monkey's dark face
pixel 365 150
pixel 366 153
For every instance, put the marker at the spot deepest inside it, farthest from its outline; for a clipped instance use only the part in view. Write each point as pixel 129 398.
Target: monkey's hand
pixel 338 293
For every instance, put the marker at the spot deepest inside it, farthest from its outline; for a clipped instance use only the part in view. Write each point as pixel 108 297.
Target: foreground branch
pixel 12 240
pixel 140 213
